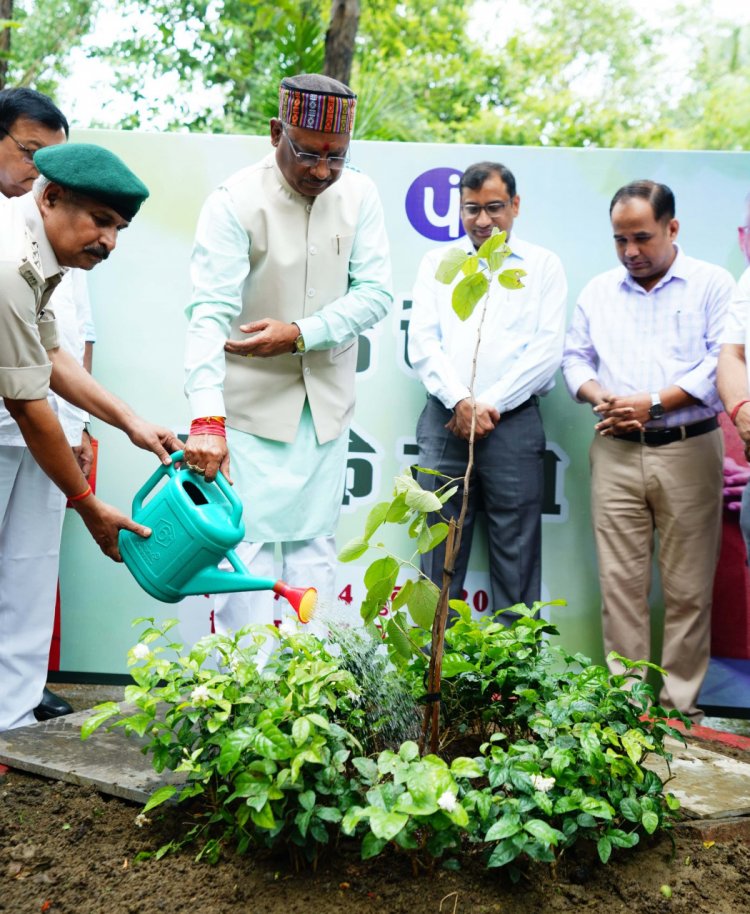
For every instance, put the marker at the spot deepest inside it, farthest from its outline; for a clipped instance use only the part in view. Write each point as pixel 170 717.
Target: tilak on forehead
pixel 315 102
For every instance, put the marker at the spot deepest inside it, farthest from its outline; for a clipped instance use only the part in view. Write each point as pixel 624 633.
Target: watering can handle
pixel 153 479
pixel 169 470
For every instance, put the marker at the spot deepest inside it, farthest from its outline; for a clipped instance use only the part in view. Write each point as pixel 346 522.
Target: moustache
pixel 98 250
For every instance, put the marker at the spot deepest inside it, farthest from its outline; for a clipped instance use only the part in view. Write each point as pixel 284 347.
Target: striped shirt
pixel 633 341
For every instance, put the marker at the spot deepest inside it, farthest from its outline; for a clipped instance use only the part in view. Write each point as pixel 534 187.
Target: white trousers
pixel 31 515
pixel 304 563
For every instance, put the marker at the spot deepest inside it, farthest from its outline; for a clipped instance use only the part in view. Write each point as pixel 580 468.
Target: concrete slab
pixel 110 761
pixel 707 784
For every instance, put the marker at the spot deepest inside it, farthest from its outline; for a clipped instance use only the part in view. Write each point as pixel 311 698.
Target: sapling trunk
pixel 431 722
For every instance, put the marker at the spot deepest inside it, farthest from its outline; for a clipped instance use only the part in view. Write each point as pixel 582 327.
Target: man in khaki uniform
pixel 290 265
pixel 84 197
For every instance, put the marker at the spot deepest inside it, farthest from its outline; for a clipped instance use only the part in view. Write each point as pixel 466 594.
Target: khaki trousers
pixel 674 490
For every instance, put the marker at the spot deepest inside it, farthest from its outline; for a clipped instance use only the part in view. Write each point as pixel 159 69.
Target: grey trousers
pixel 507 483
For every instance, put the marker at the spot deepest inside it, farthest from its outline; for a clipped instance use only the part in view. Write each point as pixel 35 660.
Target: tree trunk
pixel 6 13
pixel 340 37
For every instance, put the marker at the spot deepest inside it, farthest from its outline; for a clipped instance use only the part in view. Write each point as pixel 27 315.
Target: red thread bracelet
pixel 738 407
pixel 85 494
pixel 210 425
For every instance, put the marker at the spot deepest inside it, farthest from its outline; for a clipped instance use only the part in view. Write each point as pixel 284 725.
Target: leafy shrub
pixel 265 751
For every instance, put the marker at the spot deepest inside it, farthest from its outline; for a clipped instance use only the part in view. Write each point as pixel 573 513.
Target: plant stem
pixel 431 722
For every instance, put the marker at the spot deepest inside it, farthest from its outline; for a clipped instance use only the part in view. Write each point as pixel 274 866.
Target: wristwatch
pixel 656 410
pixel 298 346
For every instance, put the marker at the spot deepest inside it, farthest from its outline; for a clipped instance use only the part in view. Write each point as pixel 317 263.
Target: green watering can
pixel 195 525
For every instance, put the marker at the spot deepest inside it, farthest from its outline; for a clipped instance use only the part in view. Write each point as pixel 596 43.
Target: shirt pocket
pixel 689 339
pixel 342 245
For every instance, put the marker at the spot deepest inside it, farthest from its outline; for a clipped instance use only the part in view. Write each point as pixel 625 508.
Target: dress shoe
pixel 51 706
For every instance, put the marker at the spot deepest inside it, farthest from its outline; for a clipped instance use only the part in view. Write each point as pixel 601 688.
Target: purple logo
pixel 433 204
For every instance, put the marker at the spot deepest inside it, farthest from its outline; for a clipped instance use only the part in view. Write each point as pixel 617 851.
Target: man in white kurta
pixel 290 265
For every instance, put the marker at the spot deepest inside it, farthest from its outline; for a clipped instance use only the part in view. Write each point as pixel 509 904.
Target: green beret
pixel 94 172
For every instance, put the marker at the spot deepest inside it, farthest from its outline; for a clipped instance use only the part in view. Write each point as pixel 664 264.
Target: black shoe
pixel 51 706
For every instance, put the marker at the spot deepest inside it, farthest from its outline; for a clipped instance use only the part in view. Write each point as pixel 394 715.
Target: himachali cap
pixel 316 102
pixel 94 172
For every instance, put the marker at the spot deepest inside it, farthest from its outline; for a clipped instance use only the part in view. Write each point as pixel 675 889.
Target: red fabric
pixel 54 648
pixel 730 626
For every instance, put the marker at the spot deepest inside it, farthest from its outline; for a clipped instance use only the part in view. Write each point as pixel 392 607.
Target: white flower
pixel 141 651
pixel 199 694
pixel 541 783
pixel 447 801
pixel 141 820
pixel 287 629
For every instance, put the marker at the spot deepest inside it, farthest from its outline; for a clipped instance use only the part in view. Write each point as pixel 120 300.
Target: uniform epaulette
pixel 30 266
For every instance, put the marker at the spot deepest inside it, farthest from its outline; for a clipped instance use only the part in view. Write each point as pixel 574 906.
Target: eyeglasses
pixel 472 210
pixel 28 154
pixel 312 159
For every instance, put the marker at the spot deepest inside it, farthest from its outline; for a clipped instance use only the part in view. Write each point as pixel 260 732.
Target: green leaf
pixel 376 517
pixel 450 265
pixel 408 751
pixel 386 825
pixel 495 241
pixel 498 258
pixel 511 279
pixel 354 549
pixel 103 712
pixel 466 768
pixel 160 796
pixel 504 853
pixel 470 265
pixel 604 848
pixel 403 594
pixel 397 638
pixel 422 603
pixel 264 817
pixel 431 537
pixel 398 511
pixel 301 729
pixel 631 809
pixel 370 610
pixel 372 846
pixel 380 579
pixel 367 768
pixel 467 293
pixel 453 664
pixel 543 832
pixel 650 822
pixel 503 828
pixel 307 799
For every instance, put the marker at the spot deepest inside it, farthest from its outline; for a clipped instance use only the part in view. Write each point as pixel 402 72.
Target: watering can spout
pixel 303 600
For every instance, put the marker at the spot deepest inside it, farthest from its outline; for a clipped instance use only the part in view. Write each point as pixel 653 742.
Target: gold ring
pixel 249 355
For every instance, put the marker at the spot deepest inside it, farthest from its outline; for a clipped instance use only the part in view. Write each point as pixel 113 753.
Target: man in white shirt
pixel 642 350
pixel 29 121
pixel 520 351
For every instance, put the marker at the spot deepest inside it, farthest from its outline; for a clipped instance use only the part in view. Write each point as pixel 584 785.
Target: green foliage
pixel 266 752
pixel 563 743
pixel 412 802
pixel 44 32
pixel 414 601
pixel 278 758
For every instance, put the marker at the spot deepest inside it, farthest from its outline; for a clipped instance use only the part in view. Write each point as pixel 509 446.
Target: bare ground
pixel 70 850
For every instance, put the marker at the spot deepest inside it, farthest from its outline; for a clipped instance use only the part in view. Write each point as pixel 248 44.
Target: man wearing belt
pixel 84 196
pixel 29 558
pixel 520 351
pixel 642 350
pixel 290 265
